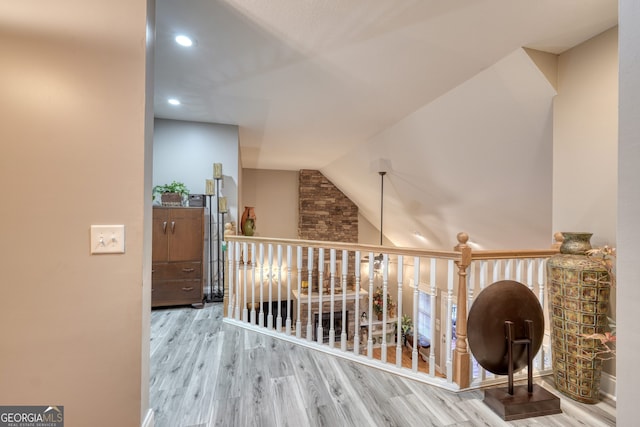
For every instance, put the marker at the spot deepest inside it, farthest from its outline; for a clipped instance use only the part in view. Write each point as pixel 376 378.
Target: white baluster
pixel 253 283
pixel 356 335
pixel 508 273
pixel 540 357
pixel 345 322
pixel 270 274
pixel 435 341
pixel 484 274
pixel 237 313
pixel 261 314
pixel 519 270
pixel 471 284
pixel 288 321
pixel 496 270
pixel 450 275
pixel 385 290
pixel 332 296
pixel 230 285
pixel 298 307
pixel 320 329
pixel 399 314
pixel 370 316
pixel 245 309
pixel 416 299
pixel 278 274
pixel 309 289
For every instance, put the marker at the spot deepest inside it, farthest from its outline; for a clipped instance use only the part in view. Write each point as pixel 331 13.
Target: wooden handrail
pixel 513 254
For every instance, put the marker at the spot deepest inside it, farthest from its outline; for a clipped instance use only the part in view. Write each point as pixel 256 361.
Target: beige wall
pixel 585 147
pixel 585 137
pixel 73 154
pixel 274 194
pixel 628 213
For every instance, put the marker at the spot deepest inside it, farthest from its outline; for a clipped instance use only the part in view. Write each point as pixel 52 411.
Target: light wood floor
pixel 206 373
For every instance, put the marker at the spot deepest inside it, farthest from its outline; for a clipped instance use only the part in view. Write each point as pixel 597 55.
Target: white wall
pixel 628 215
pixel 585 139
pixel 73 154
pixel 477 159
pixel 186 151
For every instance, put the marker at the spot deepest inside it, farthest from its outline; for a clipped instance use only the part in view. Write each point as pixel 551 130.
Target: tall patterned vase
pixel 579 288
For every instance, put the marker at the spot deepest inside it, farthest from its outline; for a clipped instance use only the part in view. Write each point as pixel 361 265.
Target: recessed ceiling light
pixel 183 40
pixel 173 101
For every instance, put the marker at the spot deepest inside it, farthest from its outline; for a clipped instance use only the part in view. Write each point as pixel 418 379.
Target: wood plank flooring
pixel 206 373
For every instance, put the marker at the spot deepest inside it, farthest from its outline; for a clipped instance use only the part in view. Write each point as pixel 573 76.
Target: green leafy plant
pixel 174 187
pixel 406 324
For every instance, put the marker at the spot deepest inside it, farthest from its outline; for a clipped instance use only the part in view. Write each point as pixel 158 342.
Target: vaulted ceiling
pixel 440 91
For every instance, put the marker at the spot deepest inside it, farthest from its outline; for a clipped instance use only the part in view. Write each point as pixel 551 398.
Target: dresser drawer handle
pixel 188 270
pixel 190 288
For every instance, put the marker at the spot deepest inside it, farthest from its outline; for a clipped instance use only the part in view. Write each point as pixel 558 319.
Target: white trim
pixel 608 386
pixel 148 419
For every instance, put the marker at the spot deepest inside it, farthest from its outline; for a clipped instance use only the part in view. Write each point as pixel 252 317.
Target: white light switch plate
pixel 107 239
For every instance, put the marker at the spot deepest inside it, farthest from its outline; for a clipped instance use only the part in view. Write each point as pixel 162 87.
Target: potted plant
pixel 378 303
pixel 171 194
pixel 406 324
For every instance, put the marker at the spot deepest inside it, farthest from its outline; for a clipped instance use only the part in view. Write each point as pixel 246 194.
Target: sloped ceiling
pixel 439 90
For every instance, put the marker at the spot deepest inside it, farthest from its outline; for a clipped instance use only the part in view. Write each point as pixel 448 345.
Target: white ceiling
pixel 309 80
pixel 337 85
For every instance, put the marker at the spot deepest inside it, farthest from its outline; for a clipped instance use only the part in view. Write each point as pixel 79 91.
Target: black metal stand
pixel 221 256
pixel 210 260
pixel 520 402
pixel 218 294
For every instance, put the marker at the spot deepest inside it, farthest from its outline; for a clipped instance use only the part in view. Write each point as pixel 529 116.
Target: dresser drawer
pixel 176 270
pixel 176 292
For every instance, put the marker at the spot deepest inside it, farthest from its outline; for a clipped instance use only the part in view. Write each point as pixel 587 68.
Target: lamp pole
pixel 382 174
